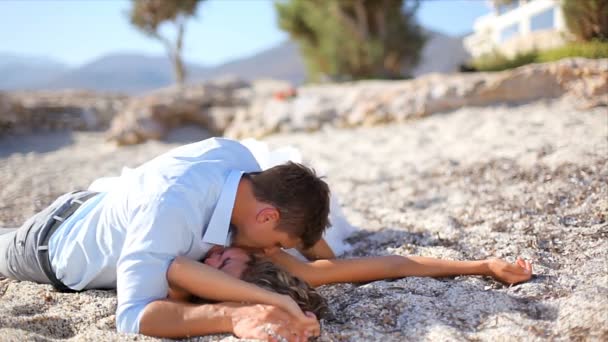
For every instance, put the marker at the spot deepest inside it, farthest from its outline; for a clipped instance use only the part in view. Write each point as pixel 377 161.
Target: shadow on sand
pixel 187 134
pixel 34 142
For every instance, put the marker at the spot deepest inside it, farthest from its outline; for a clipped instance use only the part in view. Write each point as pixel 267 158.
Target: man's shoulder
pixel 212 146
pixel 228 145
pixel 198 164
pixel 231 153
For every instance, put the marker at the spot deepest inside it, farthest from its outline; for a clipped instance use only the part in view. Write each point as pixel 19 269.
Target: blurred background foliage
pixel 354 39
pixel 343 40
pixel 587 19
pixel 498 62
pixel 149 15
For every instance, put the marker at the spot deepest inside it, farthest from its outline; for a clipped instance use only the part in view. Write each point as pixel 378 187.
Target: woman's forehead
pixel 235 251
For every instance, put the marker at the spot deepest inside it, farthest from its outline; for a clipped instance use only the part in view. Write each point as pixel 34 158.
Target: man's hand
pixel 269 323
pixel 506 272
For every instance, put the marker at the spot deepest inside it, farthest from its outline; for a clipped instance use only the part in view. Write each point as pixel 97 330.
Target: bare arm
pixel 168 319
pixel 322 272
pixel 320 250
pixel 178 294
pixel 164 318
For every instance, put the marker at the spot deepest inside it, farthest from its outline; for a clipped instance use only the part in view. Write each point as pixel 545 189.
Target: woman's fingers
pixel 524 270
pixel 529 267
pixel 315 330
pixel 525 265
pixel 511 273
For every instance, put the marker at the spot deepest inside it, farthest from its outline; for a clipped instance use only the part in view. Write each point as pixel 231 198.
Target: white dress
pixel 334 236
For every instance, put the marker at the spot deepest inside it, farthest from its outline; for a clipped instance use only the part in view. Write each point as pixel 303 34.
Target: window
pixel 509 32
pixel 543 20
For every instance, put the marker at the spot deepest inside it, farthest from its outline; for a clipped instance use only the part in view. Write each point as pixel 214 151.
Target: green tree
pixel 353 39
pixel 587 19
pixel 149 15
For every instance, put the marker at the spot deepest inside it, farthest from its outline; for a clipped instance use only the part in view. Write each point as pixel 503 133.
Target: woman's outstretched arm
pixel 323 272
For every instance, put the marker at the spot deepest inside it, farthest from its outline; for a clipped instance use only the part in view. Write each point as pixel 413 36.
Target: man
pixel 179 204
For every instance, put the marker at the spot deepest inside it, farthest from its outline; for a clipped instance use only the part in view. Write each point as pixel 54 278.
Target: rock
pixel 213 105
pixel 268 87
pixel 239 109
pixel 366 103
pixel 51 110
pixel 585 81
pixel 9 113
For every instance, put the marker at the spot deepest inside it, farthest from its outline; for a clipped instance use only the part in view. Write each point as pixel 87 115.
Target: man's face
pixel 230 260
pixel 262 236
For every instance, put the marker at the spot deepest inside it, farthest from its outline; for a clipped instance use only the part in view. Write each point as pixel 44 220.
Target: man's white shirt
pixel 179 203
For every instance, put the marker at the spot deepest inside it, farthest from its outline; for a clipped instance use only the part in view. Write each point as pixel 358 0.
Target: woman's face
pixel 231 260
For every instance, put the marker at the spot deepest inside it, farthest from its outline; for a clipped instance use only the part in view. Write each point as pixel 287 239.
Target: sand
pixel 504 181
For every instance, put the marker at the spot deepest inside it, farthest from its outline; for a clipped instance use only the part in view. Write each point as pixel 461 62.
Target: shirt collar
pixel 218 230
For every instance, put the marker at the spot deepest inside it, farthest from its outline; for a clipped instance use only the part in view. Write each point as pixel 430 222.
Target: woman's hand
pixel 269 323
pixel 305 321
pixel 509 273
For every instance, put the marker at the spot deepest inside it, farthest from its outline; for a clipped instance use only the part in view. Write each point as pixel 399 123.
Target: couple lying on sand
pixel 144 234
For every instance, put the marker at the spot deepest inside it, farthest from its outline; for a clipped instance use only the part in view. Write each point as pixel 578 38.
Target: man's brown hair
pixel 269 276
pixel 300 196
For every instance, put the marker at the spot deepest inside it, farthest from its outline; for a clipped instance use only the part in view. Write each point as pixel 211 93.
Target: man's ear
pixel 270 214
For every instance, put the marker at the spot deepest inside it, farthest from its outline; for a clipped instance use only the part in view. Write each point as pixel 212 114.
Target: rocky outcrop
pixel 238 109
pixel 43 111
pixel 373 102
pixel 9 113
pixel 212 105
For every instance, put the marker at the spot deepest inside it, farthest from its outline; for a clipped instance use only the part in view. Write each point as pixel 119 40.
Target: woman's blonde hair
pixel 267 275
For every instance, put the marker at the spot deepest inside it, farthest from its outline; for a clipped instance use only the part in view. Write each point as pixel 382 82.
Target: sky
pixel 75 32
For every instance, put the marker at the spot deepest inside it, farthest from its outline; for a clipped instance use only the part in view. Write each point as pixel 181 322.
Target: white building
pixel 520 26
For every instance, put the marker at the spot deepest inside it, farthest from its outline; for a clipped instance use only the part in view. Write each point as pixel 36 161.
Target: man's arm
pixel 157 233
pixel 178 294
pixel 320 250
pixel 168 319
pixel 322 272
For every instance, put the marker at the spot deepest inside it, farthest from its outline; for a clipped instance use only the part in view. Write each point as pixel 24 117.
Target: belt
pixel 51 226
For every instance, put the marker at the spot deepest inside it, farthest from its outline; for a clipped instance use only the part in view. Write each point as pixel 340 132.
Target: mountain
pixel 441 53
pixel 281 62
pixel 136 73
pixel 13 59
pixel 23 72
pixel 120 72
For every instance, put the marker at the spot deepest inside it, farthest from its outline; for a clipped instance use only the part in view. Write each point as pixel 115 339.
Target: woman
pixel 238 263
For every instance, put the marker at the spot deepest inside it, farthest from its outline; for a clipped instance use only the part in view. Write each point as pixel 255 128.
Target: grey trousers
pixel 19 248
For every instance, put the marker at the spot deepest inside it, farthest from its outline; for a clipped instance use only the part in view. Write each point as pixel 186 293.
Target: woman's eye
pixel 224 263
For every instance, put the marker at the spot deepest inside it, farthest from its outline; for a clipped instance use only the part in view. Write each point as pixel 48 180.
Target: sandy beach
pixel 503 181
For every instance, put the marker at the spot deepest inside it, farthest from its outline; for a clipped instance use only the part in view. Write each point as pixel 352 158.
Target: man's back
pixel 130 234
